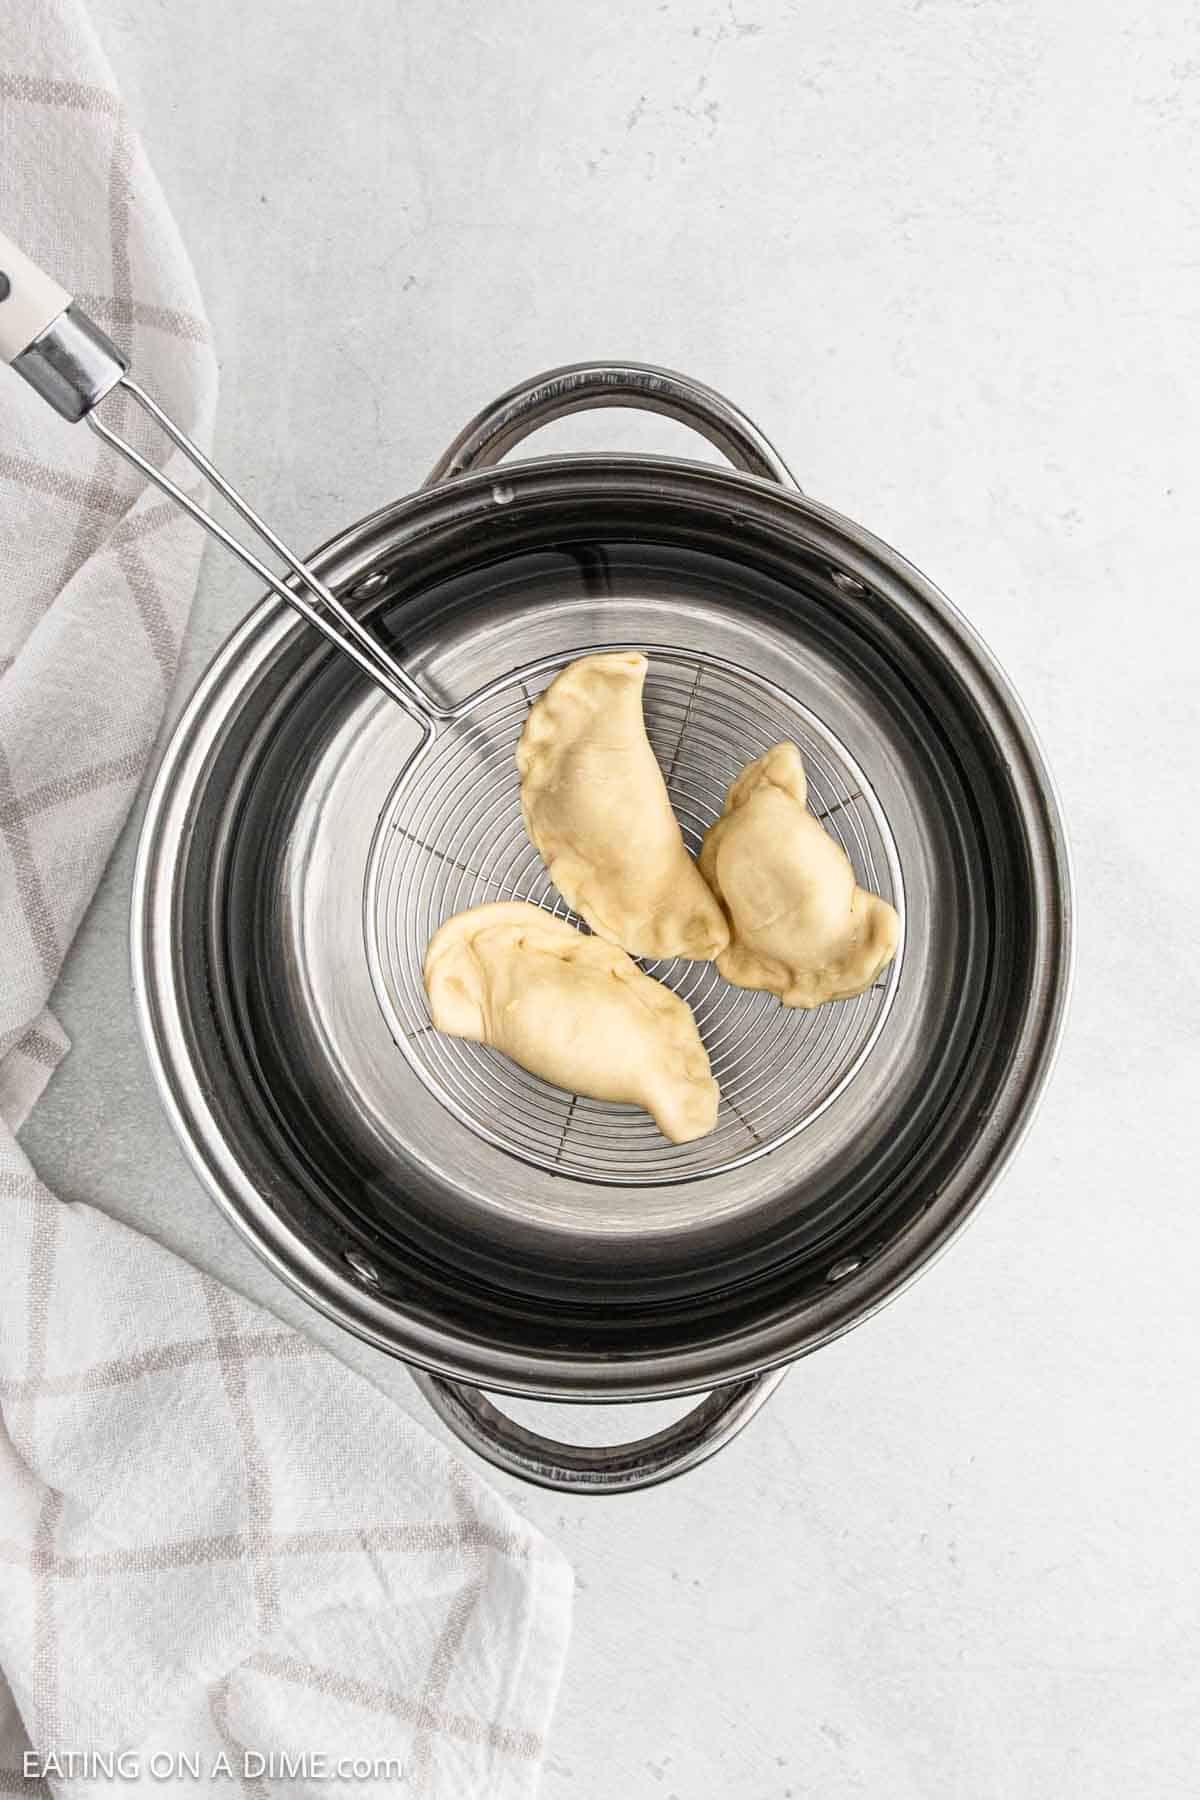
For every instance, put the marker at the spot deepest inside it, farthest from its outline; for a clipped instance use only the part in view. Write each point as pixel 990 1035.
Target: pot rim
pixel 344 561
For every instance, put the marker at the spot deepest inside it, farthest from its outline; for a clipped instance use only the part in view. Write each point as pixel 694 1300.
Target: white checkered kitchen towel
pixel 218 1547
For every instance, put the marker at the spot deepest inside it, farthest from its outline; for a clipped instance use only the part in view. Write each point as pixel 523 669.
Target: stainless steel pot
pixel 421 1191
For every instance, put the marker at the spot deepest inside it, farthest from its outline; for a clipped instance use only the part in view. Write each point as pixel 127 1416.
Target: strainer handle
pixel 580 386
pixel 589 1468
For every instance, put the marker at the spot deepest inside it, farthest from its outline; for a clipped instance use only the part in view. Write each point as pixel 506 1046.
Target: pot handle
pixel 590 1468
pixel 580 386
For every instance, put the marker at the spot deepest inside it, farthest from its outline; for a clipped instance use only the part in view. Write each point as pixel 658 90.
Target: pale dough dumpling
pixel 800 926
pixel 595 805
pixel 572 1009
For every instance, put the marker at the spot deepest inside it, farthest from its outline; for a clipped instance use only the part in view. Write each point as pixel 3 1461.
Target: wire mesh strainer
pixel 451 836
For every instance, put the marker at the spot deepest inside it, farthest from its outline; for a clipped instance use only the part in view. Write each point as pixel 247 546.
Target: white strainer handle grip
pixel 590 1468
pixel 581 386
pixel 51 342
pixel 29 300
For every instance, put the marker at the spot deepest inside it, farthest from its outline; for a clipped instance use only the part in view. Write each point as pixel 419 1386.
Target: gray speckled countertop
pixel 947 254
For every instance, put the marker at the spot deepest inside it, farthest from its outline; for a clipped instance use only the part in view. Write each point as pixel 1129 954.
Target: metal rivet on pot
pixel 847 1266
pixel 850 584
pixel 366 1271
pixel 370 584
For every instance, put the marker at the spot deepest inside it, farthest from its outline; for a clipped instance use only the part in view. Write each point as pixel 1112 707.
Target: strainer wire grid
pixel 450 836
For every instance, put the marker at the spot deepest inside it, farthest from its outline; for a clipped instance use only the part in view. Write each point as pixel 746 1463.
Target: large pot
pixel 424 1193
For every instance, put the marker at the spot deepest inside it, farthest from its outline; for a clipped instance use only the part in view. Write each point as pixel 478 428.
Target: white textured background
pixel 948 255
